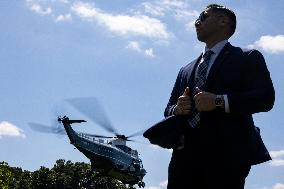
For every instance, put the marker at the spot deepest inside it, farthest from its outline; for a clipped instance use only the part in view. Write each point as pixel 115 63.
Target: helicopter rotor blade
pixel 136 134
pixel 90 107
pixel 136 141
pixel 131 140
pixel 46 129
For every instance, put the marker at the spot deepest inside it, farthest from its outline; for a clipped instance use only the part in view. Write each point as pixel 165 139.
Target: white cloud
pixel 185 14
pixel 134 45
pixel 162 185
pixel 52 8
pixel 153 10
pixel 190 26
pixel 175 3
pixel 278 186
pixel 124 24
pixel 64 1
pixel 275 186
pixel 149 52
pixel 270 44
pixel 176 7
pixel 170 4
pixel 277 158
pixel 135 24
pixel 85 10
pixel 277 162
pixel 8 129
pixel 62 18
pixel 38 9
pixel 277 154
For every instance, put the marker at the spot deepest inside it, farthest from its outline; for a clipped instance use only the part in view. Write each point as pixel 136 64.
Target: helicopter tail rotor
pixel 55 126
pixel 47 129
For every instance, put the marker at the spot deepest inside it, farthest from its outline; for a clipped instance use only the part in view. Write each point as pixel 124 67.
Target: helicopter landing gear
pixel 141 184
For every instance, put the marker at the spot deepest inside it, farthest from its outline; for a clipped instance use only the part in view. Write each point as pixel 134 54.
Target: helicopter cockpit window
pixel 140 163
pixel 136 165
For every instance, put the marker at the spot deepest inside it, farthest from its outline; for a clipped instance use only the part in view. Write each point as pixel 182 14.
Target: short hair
pixel 228 12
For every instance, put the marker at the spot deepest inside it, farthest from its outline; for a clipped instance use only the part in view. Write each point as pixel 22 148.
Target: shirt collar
pixel 217 48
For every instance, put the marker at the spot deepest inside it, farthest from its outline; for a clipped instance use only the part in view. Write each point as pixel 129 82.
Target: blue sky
pixel 126 53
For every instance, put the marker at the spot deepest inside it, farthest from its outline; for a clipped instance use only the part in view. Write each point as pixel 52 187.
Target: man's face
pixel 207 26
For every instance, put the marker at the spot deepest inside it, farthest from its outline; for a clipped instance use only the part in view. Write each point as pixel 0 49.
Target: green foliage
pixel 63 175
pixel 5 175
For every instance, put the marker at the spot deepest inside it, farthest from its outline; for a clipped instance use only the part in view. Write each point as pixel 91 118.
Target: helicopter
pixel 109 156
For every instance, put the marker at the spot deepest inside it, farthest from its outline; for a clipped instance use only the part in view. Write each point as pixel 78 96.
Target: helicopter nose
pixel 143 171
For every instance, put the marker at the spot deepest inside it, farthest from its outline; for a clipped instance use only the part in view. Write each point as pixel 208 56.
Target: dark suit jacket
pixel 243 76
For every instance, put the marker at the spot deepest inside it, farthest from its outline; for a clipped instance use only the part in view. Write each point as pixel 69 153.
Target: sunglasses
pixel 202 17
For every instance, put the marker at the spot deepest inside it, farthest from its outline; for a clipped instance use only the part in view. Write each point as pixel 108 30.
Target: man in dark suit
pixel 218 93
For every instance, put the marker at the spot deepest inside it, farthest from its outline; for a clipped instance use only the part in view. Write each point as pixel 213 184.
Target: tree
pixel 5 175
pixel 63 175
pixel 20 179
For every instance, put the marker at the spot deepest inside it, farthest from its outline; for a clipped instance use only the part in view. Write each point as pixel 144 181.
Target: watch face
pixel 218 101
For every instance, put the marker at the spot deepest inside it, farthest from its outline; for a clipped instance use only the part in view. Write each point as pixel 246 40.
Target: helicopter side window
pixel 124 148
pixel 134 152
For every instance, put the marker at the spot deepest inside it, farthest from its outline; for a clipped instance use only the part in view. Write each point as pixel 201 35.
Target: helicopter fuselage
pixel 112 158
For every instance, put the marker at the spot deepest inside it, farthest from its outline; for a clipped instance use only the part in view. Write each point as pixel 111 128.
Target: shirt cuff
pixel 227 107
pixel 173 110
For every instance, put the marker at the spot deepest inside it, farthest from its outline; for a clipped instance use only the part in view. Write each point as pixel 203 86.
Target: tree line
pixel 63 175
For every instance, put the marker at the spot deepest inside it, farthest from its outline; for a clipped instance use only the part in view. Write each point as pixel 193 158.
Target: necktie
pixel 199 82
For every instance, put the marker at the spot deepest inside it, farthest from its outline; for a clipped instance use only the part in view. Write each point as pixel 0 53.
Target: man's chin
pixel 200 38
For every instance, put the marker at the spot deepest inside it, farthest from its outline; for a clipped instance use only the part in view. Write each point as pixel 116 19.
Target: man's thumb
pixel 186 92
pixel 198 90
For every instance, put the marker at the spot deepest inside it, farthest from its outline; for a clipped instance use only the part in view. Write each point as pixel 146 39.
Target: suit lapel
pixel 218 62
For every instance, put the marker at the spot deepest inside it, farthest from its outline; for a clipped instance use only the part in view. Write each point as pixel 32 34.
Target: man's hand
pixel 183 106
pixel 204 101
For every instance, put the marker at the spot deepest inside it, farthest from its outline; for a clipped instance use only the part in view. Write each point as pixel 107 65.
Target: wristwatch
pixel 219 101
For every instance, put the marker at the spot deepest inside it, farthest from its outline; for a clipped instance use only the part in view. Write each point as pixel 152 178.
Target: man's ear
pixel 224 21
